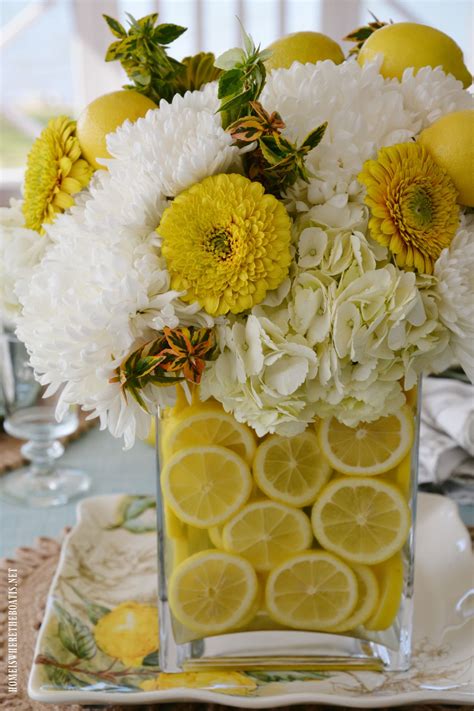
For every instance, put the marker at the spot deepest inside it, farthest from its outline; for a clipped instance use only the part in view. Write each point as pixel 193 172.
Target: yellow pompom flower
pixel 55 171
pixel 412 203
pixel 226 243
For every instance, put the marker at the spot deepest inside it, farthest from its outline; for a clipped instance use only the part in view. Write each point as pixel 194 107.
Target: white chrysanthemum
pixel 20 251
pixel 174 146
pixel 104 288
pixel 454 271
pixel 430 93
pixel 363 110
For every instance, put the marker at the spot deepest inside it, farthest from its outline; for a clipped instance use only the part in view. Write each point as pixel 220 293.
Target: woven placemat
pixel 10 448
pixel 36 568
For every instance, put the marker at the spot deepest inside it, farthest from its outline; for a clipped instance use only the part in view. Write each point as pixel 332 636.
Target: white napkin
pixel 447 430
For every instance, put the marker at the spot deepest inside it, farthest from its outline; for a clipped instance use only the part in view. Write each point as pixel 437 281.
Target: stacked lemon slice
pixel 303 532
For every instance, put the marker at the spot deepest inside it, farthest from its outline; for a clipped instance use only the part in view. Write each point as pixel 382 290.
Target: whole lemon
pixel 303 47
pixel 103 116
pixel 408 44
pixel 450 142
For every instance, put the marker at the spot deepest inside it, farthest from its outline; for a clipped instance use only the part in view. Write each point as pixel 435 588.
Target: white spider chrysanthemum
pixel 454 271
pixel 20 251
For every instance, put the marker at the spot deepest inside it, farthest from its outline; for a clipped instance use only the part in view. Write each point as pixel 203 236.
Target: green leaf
pixel 94 611
pixel 266 677
pixel 74 635
pixel 230 59
pixel 315 137
pixel 141 78
pixel 230 83
pixel 359 35
pixel 113 51
pixel 115 27
pixel 166 33
pixel 63 679
pixel 234 101
pixel 137 506
pixel 146 21
pixel 135 526
pixel 151 660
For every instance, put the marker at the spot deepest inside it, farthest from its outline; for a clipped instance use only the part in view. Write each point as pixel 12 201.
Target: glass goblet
pixel 29 416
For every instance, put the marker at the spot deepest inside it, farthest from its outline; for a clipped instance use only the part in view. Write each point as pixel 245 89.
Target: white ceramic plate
pixel 110 557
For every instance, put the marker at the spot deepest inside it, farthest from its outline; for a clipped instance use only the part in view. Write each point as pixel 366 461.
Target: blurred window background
pixel 52 50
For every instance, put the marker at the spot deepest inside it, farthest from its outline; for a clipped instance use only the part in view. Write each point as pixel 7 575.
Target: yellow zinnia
pixel 226 243
pixel 413 205
pixel 55 171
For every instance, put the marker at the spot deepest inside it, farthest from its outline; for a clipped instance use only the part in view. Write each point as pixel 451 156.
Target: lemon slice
pixel 390 580
pixel 215 534
pixel 208 424
pixel 363 520
pixel 212 592
pixel 266 533
pixel 311 591
pixel 371 447
pixel 368 596
pixel 205 485
pixel 291 470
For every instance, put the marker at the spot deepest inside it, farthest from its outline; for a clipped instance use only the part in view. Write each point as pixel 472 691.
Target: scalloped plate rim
pixel 367 700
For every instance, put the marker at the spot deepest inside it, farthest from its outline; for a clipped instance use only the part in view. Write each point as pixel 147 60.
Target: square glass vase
pixel 285 553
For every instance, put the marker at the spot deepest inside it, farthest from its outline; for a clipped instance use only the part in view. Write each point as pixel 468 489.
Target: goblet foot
pixel 56 488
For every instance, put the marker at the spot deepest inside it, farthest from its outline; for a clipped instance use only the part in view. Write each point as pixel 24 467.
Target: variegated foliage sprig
pixel 177 354
pixel 275 161
pixel 242 80
pixel 142 52
pixel 361 34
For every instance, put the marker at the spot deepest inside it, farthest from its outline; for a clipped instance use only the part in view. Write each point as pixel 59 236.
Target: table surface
pixel 111 470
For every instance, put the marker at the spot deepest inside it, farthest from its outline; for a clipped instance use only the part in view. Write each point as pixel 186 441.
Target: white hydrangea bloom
pixel 20 251
pixel 454 271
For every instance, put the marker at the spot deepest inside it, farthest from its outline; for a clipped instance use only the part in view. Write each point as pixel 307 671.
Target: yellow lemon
pixel 213 592
pixel 208 424
pixel 362 519
pixel 368 597
pixel 450 142
pixel 408 44
pixel 303 47
pixel 390 580
pixel 129 632
pixel 291 470
pixel 151 436
pixel 369 449
pixel 224 682
pixel 105 114
pixel 313 591
pixel 266 533
pixel 205 486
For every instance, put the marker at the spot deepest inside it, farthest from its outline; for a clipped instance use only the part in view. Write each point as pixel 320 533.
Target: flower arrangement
pixel 285 239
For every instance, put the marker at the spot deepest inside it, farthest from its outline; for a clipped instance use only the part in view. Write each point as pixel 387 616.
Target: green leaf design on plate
pixel 62 678
pixel 130 508
pixel 74 635
pixel 151 660
pixel 267 677
pixel 93 610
